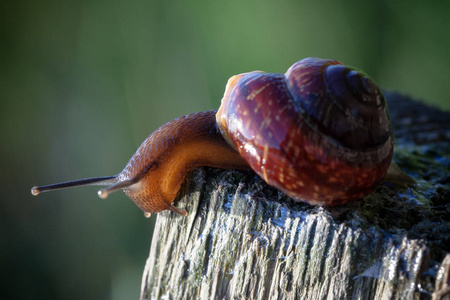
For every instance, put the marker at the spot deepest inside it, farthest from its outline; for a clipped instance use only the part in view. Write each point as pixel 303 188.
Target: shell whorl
pixel 342 102
pixel 320 132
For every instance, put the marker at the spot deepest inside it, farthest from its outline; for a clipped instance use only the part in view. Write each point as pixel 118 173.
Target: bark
pixel 243 239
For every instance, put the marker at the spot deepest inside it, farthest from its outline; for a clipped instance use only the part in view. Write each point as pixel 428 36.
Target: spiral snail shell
pixel 320 133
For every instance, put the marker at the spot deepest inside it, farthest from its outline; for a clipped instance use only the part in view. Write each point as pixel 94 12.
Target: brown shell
pixel 320 133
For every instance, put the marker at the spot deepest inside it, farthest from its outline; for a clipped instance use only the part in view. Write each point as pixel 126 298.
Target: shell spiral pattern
pixel 320 132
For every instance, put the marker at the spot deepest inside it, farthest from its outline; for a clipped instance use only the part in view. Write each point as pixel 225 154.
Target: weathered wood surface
pixel 245 240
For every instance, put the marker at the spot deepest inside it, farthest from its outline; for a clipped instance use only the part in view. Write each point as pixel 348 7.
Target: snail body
pixel 169 153
pixel 320 133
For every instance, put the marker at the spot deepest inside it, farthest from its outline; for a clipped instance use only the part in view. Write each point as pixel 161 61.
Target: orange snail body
pixel 169 153
pixel 320 133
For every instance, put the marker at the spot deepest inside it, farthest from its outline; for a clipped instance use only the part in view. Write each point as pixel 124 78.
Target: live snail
pixel 320 133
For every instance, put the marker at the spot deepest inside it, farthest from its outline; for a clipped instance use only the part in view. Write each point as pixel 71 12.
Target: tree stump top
pixel 244 239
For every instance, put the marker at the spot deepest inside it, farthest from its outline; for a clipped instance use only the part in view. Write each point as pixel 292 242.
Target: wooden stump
pixel 243 239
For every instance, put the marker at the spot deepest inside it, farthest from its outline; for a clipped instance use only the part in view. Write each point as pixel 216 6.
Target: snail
pixel 319 133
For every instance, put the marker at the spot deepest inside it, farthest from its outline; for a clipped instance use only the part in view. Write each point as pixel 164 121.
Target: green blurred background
pixel 84 82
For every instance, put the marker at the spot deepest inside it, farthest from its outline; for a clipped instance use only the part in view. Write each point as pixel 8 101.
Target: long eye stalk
pixel 36 190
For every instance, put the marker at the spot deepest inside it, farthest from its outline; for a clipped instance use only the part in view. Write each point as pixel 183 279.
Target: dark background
pixel 83 83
